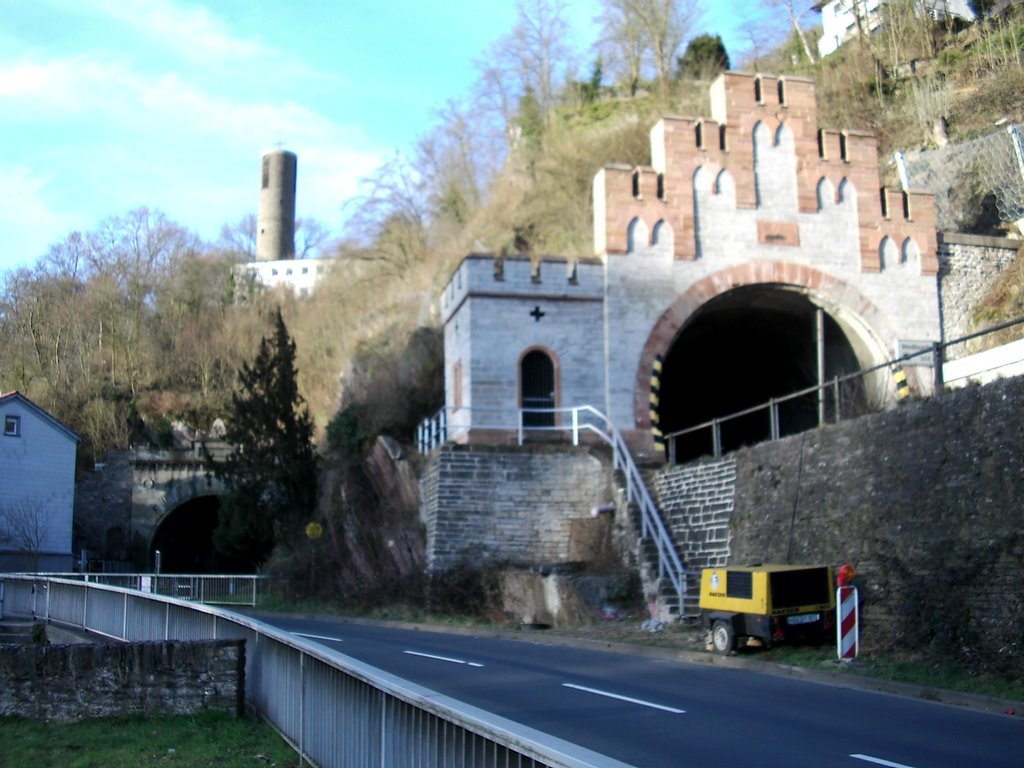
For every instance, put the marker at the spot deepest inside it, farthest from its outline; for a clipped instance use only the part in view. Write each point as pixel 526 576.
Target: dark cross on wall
pixel 537 314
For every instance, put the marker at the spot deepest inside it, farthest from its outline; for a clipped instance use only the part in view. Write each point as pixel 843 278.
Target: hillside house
pixel 37 487
pixel 842 20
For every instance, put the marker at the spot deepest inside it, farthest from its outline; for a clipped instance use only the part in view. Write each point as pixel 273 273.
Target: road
pixel 654 713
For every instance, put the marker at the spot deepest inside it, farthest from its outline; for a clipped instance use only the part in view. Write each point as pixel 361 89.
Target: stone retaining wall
pixel 520 505
pixel 64 683
pixel 924 500
pixel 969 266
pixel 697 501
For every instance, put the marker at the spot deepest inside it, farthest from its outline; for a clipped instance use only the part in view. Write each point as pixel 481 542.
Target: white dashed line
pixel 880 761
pixel 443 658
pixel 321 637
pixel 641 702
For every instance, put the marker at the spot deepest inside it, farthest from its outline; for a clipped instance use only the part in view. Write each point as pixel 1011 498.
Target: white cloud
pixel 28 222
pixel 192 32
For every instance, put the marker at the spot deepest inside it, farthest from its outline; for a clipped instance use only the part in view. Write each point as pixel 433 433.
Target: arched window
pixel 537 389
pixel 637 235
pixel 888 253
pixel 663 235
pixel 826 194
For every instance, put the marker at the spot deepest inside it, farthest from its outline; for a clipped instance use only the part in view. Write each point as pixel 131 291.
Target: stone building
pixel 757 254
pixel 276 266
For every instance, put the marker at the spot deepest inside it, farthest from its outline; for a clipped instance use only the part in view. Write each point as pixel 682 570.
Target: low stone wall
pixel 64 683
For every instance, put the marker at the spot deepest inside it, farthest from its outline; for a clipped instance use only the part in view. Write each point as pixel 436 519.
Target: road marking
pixel 443 658
pixel 641 702
pixel 321 637
pixel 879 761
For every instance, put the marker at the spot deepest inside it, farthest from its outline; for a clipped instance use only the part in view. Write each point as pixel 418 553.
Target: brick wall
pixel 64 683
pixel 513 505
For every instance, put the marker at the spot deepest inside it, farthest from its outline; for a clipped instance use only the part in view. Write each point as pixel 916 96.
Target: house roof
pixel 7 397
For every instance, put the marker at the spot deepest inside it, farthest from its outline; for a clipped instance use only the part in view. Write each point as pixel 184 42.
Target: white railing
pixel 213 589
pixel 573 422
pixel 333 709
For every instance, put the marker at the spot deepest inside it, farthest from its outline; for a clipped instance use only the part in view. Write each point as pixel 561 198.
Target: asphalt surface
pixel 659 707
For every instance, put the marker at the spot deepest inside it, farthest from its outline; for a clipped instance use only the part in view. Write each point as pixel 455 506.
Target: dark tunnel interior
pixel 185 540
pixel 738 351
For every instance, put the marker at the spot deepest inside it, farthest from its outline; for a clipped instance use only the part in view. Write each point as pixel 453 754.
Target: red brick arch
pixel 827 289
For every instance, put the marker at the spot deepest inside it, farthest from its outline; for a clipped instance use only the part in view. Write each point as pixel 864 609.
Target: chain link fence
pixel 978 184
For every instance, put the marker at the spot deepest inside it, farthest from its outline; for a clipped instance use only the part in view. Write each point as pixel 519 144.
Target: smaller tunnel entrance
pixel 185 540
pixel 742 349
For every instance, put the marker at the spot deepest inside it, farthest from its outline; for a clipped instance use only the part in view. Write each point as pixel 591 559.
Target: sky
pixel 109 105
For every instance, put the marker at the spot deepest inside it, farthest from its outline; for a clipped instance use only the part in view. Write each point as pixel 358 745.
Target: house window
pixel 12 426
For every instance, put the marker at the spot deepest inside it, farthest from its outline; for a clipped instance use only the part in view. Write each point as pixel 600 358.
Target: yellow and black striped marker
pixel 655 404
pixel 902 387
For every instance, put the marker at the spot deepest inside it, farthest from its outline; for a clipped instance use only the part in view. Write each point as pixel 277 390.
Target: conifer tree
pixel 271 472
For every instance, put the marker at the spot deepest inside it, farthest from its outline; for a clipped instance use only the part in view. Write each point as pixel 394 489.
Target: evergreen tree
pixel 271 472
pixel 704 58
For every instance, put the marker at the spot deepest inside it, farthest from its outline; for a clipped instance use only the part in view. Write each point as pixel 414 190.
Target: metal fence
pixel 333 709
pixel 966 177
pixel 832 404
pixel 213 589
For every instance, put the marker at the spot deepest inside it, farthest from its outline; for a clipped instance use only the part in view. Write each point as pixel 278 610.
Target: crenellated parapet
pixel 522 276
pixel 762 147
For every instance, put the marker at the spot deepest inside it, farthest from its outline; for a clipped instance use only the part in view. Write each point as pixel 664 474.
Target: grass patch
pixel 898 668
pixel 206 739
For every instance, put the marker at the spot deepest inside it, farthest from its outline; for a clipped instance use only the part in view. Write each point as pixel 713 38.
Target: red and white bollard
pixel 847 626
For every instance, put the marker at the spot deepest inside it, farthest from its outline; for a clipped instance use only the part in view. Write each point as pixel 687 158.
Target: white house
pixel 37 487
pixel 839 18
pixel 300 276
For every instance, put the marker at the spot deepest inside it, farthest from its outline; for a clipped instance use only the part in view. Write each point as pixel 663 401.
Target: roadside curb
pixel 846 679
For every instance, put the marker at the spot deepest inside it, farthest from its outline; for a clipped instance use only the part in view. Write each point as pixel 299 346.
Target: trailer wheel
pixel 722 637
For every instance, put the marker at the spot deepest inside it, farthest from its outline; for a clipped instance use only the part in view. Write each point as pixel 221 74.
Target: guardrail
pixel 333 709
pixel 213 589
pixel 581 419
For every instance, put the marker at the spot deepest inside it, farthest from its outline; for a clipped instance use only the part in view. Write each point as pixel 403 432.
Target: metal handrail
pixel 212 589
pixel 582 419
pixel 333 709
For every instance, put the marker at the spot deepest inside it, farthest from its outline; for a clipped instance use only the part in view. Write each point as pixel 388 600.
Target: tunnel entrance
pixel 740 350
pixel 185 540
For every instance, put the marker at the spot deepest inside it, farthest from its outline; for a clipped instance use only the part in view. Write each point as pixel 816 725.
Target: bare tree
pixel 533 57
pixel 795 11
pixel 389 221
pixel 240 238
pixel 622 43
pixel 24 526
pixel 656 28
pixel 310 236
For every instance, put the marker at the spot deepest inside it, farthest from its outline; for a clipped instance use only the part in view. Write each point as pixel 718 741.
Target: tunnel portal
pixel 743 348
pixel 184 539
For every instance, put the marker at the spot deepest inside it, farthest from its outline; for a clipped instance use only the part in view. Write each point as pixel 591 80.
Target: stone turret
pixel 275 224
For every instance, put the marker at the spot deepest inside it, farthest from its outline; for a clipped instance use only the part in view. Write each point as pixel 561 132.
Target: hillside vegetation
pixel 122 331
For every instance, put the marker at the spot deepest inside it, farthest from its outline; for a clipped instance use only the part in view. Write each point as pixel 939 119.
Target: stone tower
pixel 275 224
